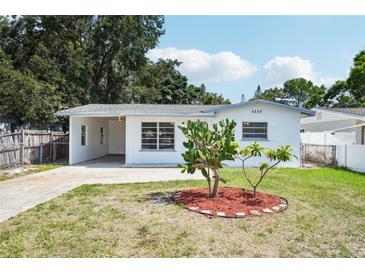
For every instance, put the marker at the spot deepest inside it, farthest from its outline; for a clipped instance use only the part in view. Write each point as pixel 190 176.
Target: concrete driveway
pixel 25 192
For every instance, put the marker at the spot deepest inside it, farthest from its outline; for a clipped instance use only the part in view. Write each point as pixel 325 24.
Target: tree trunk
pixel 215 188
pixel 254 192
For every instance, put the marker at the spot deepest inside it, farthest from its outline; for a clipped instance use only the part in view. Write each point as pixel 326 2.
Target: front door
pixel 363 135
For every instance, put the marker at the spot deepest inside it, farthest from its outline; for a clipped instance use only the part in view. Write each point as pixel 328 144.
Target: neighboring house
pixel 347 125
pixel 148 134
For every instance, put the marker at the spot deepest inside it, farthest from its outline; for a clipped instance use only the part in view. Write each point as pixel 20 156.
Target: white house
pixel 148 134
pixel 337 125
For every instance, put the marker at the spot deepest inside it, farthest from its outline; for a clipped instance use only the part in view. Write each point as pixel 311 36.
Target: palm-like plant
pixel 275 156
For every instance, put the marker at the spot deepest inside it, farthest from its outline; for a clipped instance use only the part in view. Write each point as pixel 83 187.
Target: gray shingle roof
pixel 125 109
pixel 168 110
pixel 351 111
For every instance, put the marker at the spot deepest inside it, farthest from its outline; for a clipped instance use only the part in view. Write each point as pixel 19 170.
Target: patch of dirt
pixel 228 200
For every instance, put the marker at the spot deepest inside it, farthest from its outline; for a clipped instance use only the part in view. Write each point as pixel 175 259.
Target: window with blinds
pixel 254 130
pixel 158 135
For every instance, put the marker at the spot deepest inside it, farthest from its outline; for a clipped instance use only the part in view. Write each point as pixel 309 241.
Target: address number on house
pixel 256 111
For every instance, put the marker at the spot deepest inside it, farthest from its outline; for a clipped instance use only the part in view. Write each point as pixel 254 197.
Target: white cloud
pixel 282 68
pixel 200 66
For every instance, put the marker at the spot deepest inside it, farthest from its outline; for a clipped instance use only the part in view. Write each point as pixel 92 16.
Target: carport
pixel 97 140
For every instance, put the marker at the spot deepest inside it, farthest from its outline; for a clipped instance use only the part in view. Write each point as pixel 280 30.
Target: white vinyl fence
pixel 351 156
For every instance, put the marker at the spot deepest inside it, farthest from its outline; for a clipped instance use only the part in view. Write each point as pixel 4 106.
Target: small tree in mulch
pixel 274 156
pixel 207 148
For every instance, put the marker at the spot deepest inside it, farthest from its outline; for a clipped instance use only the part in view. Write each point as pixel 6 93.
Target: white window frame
pixel 85 135
pixel 253 138
pixel 101 136
pixel 158 138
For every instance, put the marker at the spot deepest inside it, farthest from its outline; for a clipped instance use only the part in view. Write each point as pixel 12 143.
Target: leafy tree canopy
pixel 356 80
pixel 65 61
pixel 297 92
pixel 339 96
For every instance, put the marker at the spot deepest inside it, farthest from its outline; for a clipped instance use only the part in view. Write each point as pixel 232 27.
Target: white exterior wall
pixel 283 129
pixel 116 140
pixel 135 155
pixel 93 148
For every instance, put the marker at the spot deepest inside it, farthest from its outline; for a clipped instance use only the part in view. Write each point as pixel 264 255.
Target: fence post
pixel 41 153
pixel 54 153
pixel 50 146
pixel 54 150
pixel 22 148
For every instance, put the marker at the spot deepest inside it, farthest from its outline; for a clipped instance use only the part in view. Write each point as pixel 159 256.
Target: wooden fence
pixel 32 147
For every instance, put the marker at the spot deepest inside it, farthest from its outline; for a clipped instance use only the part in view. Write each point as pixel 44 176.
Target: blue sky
pixel 233 54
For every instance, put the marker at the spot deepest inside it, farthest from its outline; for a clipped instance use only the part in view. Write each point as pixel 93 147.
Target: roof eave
pixel 341 113
pixel 114 114
pixel 304 111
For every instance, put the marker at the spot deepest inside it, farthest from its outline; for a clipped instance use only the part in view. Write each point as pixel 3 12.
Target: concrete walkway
pixel 25 192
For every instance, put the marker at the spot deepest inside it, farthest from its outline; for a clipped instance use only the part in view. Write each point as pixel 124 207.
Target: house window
pixel 302 130
pixel 158 135
pixel 254 130
pixel 101 135
pixel 83 135
pixel 166 135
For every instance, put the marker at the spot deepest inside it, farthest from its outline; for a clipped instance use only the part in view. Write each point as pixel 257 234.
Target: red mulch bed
pixel 229 200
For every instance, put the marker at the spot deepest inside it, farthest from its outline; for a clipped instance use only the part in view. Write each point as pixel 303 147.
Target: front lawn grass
pixel 325 218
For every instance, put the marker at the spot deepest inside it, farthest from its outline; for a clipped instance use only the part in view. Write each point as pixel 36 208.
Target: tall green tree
pixel 52 49
pixel 89 59
pixel 161 82
pixel 25 98
pixel 81 59
pixel 271 94
pixel 356 79
pixel 297 92
pixel 303 93
pixel 339 96
pixel 117 48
